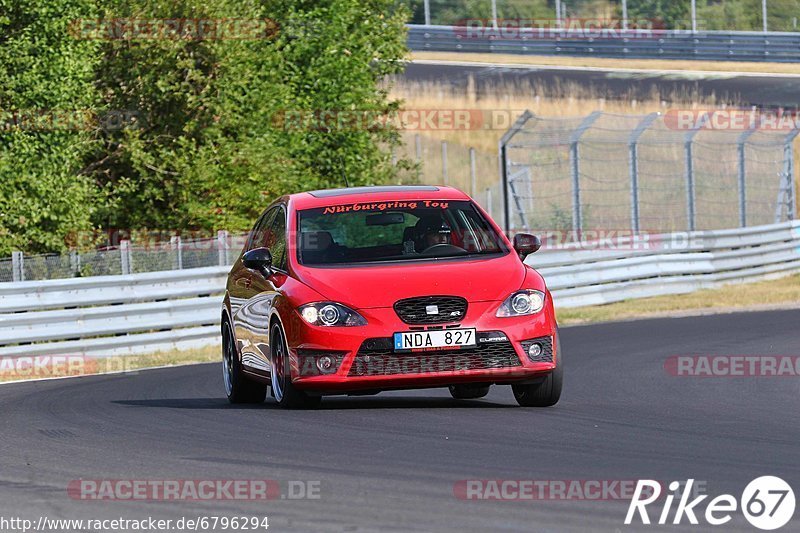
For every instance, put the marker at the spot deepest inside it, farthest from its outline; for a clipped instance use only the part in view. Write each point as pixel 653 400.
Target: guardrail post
pixel 473 176
pixel 125 256
pixel 177 247
pixel 17 266
pixel 633 162
pixel 575 166
pixel 740 146
pixel 444 163
pixel 222 247
pixel 504 164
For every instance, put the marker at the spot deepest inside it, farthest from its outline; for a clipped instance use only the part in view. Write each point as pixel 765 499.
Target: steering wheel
pixel 443 249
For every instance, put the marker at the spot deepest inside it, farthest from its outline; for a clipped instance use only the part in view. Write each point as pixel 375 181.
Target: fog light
pixel 326 364
pixel 535 350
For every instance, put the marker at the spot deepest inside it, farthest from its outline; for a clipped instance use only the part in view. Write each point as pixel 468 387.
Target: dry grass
pixel 783 292
pixel 597 62
pixel 65 366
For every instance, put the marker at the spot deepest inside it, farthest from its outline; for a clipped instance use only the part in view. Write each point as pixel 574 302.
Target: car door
pixel 261 293
pixel 242 292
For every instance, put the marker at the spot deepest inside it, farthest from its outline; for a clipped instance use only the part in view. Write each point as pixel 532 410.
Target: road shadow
pixel 328 403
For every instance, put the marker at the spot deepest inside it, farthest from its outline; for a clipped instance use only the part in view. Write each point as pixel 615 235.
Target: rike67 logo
pixel 767 502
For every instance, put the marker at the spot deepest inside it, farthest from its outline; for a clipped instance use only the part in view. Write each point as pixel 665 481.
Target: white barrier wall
pixel 113 315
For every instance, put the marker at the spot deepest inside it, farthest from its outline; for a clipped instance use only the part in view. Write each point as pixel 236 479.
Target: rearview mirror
pixel 526 244
pixel 258 259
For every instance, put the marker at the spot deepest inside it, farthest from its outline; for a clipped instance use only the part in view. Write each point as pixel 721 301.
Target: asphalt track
pixel 769 90
pixel 390 462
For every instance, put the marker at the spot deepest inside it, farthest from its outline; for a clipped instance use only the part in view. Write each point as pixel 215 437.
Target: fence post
pixel 75 263
pixel 789 188
pixel 124 256
pixel 222 247
pixel 633 149
pixel 740 146
pixel 427 8
pixel 17 266
pixel 504 164
pixel 473 176
pixel 177 247
pixel 418 148
pixel 444 163
pixel 494 14
pixel 689 170
pixel 489 201
pixel 575 166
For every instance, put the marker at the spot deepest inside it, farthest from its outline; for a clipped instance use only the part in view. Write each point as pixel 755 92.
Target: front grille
pixel 547 349
pixel 431 309
pixel 376 358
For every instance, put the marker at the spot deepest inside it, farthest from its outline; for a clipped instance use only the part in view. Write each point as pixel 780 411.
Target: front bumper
pixel 366 360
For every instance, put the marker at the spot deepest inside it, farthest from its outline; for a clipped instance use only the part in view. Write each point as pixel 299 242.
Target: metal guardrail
pixel 137 313
pixel 637 44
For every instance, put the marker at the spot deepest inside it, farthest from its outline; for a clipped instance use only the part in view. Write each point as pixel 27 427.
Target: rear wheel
pixel 468 392
pixel 238 388
pixel 547 392
pixel 283 390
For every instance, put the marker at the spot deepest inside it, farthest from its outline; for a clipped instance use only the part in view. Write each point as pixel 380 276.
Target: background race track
pixel 390 462
pixel 767 90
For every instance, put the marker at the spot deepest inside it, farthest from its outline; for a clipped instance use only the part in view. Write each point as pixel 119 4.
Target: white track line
pixel 654 72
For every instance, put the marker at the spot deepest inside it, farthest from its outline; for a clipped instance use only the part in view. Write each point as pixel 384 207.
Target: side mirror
pixel 258 259
pixel 526 244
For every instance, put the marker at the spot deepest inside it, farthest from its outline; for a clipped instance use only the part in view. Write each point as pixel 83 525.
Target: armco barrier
pixel 640 44
pixel 112 315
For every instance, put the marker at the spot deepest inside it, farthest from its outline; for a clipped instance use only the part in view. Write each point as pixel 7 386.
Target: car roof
pixel 380 193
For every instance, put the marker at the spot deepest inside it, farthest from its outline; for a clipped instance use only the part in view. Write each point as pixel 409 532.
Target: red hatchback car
pixel 360 290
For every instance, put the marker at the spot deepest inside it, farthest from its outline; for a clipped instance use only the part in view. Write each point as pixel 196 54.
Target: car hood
pixel 375 286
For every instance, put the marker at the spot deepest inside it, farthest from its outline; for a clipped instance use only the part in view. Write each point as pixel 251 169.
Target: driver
pixel 435 232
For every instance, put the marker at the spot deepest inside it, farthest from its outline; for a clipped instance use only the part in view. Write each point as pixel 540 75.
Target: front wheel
pixel 283 390
pixel 238 388
pixel 547 392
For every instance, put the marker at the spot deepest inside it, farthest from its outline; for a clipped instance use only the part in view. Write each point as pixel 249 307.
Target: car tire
pixel 238 387
pixel 469 392
pixel 547 392
pixel 285 393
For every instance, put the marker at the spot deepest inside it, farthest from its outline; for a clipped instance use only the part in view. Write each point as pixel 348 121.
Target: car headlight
pixel 330 314
pixel 521 303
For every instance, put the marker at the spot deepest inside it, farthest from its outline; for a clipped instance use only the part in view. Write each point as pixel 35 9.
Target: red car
pixel 360 290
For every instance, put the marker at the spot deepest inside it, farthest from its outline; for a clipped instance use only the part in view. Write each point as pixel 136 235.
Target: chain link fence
pixel 127 258
pixel 641 173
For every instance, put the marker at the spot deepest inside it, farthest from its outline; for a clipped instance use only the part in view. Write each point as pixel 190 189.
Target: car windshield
pixel 394 231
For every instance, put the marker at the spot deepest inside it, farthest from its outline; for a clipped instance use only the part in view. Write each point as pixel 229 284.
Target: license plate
pixel 434 340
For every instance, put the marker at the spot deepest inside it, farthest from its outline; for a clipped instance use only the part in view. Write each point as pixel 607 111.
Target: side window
pixel 277 244
pixel 261 231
